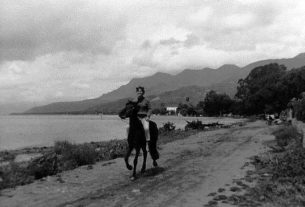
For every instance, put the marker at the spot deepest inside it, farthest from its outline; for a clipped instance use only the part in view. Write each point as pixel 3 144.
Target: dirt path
pixel 190 169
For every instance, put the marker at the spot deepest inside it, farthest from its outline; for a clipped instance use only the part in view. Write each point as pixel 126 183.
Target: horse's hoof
pixel 129 167
pixel 155 163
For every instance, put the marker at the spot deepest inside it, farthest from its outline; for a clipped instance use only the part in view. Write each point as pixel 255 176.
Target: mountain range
pixel 167 88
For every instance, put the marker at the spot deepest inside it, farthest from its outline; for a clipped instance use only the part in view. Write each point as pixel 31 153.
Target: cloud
pixel 75 49
pixel 233 25
pixel 33 28
pixel 190 41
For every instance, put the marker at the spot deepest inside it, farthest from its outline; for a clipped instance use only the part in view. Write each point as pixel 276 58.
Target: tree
pixel 216 104
pixel 200 108
pixel 259 91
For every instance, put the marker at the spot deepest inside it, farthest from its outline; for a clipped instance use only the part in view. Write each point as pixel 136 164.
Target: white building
pixel 171 109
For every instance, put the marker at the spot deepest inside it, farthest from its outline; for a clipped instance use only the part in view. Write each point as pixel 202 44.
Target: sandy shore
pixel 190 169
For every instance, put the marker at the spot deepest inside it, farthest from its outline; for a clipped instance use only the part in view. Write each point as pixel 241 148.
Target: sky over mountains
pixel 75 49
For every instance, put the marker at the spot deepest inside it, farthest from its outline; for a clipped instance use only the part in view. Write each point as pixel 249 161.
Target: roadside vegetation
pixel 282 180
pixel 278 178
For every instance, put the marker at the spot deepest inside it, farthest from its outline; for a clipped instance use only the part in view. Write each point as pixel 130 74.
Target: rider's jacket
pixel 144 107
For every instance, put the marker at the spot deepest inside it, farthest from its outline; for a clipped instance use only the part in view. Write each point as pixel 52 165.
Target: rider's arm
pixel 122 113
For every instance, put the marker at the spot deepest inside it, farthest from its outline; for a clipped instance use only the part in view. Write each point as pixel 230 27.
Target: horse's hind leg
pixel 135 162
pixel 129 167
pixel 144 159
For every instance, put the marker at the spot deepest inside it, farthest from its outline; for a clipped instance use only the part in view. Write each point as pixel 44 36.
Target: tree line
pixel 267 89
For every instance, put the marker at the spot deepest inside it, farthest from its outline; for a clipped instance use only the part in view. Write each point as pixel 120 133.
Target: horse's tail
pixel 154 134
pixel 154 131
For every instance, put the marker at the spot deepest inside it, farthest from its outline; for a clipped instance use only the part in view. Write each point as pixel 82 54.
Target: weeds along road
pixel 190 169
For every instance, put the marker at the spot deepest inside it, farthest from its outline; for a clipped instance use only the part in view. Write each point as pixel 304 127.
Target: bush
pixel 198 125
pixel 167 127
pixel 7 156
pixel 44 166
pixel 62 147
pixel 194 125
pixel 73 155
pixel 14 174
pixel 287 135
pixel 111 149
pixel 84 154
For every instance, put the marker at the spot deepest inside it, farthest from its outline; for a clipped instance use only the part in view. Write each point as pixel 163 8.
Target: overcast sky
pixel 61 50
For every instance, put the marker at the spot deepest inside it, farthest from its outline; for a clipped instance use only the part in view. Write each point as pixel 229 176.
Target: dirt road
pixel 189 171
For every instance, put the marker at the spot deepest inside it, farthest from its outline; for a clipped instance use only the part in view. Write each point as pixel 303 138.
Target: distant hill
pixel 223 79
pixel 169 98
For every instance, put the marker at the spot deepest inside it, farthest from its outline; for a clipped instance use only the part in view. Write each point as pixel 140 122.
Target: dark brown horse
pixel 136 138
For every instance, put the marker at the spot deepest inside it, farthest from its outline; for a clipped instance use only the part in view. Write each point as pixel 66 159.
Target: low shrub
pixel 194 125
pixel 7 156
pixel 286 135
pixel 74 155
pixel 14 174
pixel 198 125
pixel 168 126
pixel 44 166
pixel 63 147
pixel 111 149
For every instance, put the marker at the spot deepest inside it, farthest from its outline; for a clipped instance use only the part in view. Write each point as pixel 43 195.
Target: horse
pixel 136 138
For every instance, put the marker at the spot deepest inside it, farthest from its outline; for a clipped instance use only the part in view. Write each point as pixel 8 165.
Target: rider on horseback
pixel 144 111
pixel 141 131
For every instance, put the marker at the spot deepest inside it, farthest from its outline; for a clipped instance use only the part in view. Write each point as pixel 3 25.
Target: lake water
pixel 43 130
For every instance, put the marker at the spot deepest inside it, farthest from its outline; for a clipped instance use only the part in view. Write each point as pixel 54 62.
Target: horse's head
pixel 129 110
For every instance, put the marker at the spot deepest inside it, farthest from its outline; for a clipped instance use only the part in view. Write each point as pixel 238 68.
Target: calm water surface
pixel 43 130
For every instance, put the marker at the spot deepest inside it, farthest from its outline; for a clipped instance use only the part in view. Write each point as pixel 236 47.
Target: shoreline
pixel 40 162
pixel 190 169
pixel 41 147
pixel 20 133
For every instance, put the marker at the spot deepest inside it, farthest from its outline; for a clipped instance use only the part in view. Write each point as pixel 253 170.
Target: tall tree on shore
pixel 216 104
pixel 259 91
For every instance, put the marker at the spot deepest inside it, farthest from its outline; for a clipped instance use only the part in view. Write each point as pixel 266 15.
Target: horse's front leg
pixel 135 162
pixel 144 159
pixel 129 167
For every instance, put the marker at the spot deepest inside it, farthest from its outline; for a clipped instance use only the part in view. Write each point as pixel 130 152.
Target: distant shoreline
pixel 59 113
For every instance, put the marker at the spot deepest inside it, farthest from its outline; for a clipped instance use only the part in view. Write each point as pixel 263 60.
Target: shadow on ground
pixel 153 171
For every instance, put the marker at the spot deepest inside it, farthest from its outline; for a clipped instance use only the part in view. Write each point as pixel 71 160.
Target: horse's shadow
pixel 153 171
